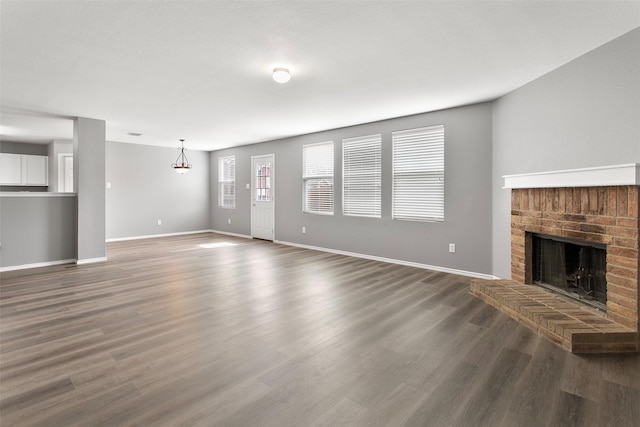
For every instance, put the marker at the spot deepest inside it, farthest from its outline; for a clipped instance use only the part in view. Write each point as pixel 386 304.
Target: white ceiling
pixel 201 70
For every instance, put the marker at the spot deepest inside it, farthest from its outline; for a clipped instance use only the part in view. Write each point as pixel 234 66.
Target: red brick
pixel 625 242
pixel 593 200
pixel 593 228
pixel 626 312
pixel 623 320
pixel 629 273
pixel 601 220
pixel 620 251
pixel 623 231
pixel 623 282
pixel 603 197
pixel 515 199
pixel 626 222
pixel 622 301
pixel 584 200
pixel 613 201
pixel 634 200
pixel 623 201
pixel 568 200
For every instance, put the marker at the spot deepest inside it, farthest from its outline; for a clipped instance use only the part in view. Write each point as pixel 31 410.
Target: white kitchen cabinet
pixel 10 169
pixel 34 170
pixel 22 169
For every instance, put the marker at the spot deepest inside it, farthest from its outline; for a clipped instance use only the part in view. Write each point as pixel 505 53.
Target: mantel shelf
pixel 626 174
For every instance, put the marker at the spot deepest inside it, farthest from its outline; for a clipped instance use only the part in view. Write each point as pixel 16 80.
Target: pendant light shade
pixel 181 164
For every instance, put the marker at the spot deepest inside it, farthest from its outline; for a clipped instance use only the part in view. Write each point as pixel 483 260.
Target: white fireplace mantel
pixel 627 174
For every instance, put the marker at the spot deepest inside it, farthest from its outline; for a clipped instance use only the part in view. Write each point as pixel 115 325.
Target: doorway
pixel 262 196
pixel 65 173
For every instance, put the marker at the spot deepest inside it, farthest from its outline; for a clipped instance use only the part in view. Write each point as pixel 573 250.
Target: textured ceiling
pixel 201 70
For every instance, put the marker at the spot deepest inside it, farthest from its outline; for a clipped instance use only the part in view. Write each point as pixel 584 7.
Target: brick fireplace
pixel 605 215
pixel 590 205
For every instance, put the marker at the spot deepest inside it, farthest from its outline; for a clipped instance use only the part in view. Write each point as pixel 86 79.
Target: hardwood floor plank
pixel 618 405
pixel 445 400
pixel 492 394
pixel 571 410
pixel 539 385
pixel 212 330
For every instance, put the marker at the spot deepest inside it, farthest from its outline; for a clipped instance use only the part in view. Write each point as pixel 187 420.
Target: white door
pixel 262 192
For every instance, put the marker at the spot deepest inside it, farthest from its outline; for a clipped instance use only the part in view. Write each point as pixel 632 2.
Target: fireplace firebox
pixel 574 268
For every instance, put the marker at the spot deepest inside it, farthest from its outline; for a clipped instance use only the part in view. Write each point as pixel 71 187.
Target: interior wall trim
pixel 394 261
pixel 91 260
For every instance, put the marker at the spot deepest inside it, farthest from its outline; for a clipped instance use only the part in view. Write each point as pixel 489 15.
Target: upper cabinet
pixel 22 169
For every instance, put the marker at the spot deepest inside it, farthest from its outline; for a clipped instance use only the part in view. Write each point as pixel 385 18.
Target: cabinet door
pixel 34 170
pixel 10 169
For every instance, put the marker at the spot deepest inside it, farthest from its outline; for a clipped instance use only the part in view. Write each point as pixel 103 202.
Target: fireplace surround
pixel 598 206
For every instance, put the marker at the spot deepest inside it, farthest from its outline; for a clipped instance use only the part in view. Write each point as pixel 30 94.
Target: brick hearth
pixel 607 215
pixel 569 324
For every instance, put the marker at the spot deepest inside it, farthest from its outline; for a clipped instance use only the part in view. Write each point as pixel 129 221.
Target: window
pixel 227 182
pixel 263 181
pixel 362 166
pixel 317 178
pixel 418 174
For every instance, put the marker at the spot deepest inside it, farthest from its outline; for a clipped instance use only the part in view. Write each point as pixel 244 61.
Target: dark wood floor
pixel 215 330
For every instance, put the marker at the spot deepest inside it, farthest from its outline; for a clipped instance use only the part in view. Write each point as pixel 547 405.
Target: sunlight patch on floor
pixel 217 245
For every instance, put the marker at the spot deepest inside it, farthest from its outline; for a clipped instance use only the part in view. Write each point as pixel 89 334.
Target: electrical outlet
pixel 452 248
pixel 159 222
pixel 304 230
pixel 228 220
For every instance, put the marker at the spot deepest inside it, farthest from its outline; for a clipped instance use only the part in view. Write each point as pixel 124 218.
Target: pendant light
pixel 181 164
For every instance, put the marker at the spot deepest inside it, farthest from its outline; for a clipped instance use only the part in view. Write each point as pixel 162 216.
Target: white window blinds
pixel 227 182
pixel 317 178
pixel 418 174
pixel 362 173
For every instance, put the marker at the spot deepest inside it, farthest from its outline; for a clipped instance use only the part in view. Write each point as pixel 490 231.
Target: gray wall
pixel 145 189
pixel 467 195
pixel 23 148
pixel 88 181
pixel 37 229
pixel 584 114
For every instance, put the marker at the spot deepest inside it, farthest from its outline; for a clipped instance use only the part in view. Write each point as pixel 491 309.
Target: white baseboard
pixel 153 236
pixel 91 260
pixel 36 265
pixel 394 261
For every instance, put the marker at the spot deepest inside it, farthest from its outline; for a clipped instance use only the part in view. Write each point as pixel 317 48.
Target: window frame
pixel 318 177
pixel 422 161
pixel 226 180
pixel 362 176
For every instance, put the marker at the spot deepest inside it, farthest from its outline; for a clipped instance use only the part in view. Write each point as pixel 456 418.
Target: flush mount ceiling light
pixel 181 164
pixel 281 75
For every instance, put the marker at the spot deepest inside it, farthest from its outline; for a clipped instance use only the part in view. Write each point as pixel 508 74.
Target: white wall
pixel 56 148
pixel 586 113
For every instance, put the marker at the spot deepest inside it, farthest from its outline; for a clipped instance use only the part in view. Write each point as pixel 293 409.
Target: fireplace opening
pixel 573 268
